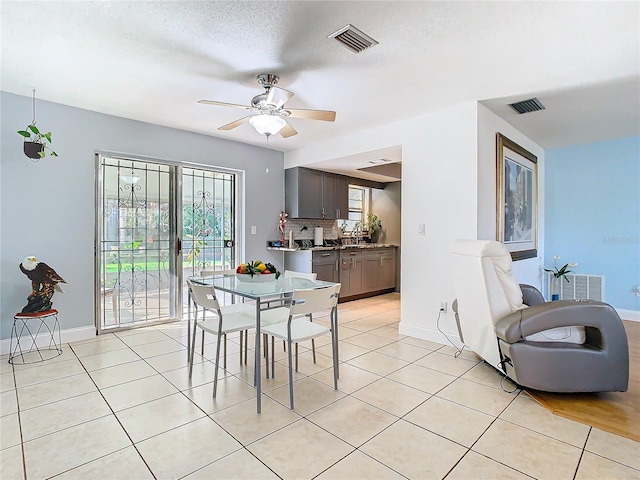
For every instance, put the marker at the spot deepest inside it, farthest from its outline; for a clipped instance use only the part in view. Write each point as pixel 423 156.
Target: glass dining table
pixel 264 294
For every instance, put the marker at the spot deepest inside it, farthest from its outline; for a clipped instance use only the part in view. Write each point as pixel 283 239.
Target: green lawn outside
pixel 148 266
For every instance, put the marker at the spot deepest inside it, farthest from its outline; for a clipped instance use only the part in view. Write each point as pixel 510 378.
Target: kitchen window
pixel 358 207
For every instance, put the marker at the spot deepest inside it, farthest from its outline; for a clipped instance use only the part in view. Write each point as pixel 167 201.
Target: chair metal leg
pixel 189 324
pixel 334 333
pixel 313 342
pixel 225 351
pixel 296 355
pixel 290 377
pixel 246 345
pixel 215 375
pixel 193 344
pixel 273 358
pixel 266 351
pixel 334 350
pixel 241 335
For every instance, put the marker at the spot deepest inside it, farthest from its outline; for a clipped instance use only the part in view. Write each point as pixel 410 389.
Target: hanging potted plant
pixel 35 142
pixel 36 146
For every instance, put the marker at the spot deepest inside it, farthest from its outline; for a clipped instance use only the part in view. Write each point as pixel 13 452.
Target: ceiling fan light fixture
pixel 267 124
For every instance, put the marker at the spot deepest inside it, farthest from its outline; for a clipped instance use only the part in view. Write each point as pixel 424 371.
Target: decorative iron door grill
pixel 208 220
pixel 136 236
pixel 144 209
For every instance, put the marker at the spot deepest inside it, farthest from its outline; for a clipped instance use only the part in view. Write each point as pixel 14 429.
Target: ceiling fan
pixel 270 114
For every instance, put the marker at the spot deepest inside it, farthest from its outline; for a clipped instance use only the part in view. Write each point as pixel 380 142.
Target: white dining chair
pixel 296 327
pixel 223 322
pixel 294 274
pixel 233 307
pixel 271 317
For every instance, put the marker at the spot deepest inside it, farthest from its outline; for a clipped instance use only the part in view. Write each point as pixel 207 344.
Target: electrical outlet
pixel 443 307
pixel 638 292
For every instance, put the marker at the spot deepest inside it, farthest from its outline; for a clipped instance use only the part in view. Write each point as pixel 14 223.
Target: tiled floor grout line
pixel 15 389
pixel 575 472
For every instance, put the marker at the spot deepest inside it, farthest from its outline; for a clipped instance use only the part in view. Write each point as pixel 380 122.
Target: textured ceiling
pixel 152 61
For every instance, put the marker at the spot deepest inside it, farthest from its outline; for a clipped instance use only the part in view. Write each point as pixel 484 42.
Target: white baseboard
pixel 67 336
pixel 429 334
pixel 632 315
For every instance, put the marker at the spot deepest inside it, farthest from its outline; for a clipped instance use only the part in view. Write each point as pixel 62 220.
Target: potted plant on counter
pixel 374 227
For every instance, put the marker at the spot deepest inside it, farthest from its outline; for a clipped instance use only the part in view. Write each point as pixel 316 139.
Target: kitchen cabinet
pixel 380 269
pixel 351 269
pixel 315 194
pixel 325 264
pixel 388 269
pixel 361 271
pixel 342 197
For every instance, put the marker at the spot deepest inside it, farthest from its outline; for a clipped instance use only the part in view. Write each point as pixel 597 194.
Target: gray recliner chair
pixel 562 346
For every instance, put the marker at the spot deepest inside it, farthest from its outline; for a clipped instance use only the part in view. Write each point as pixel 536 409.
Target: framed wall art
pixel 517 198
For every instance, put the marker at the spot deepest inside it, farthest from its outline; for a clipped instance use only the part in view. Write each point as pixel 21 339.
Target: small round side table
pixel 27 327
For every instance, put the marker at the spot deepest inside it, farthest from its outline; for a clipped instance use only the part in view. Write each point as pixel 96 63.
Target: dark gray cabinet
pixel 351 269
pixel 325 265
pixel 387 275
pixel 342 197
pixel 315 194
pixel 380 269
pixel 361 271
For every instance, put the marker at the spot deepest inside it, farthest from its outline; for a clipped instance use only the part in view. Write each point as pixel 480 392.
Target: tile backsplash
pixel 330 228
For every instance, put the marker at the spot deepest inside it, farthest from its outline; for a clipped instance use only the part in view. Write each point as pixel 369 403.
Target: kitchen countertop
pixel 341 247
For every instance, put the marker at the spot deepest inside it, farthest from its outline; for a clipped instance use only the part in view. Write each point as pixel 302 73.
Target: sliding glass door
pixel 147 211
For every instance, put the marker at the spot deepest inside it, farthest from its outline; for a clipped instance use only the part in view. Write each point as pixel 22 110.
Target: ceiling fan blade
pixel 222 104
pixel 278 96
pixel 288 131
pixel 326 115
pixel 237 123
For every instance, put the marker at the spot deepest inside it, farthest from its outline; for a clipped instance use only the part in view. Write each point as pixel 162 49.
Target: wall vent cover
pixel 579 287
pixel 527 106
pixel 353 39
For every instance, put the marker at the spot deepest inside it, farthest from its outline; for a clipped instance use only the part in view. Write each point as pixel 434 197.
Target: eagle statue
pixel 44 283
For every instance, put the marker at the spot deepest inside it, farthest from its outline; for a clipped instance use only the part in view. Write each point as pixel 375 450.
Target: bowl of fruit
pixel 255 271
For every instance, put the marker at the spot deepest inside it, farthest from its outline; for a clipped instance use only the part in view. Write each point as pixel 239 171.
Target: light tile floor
pixel 121 406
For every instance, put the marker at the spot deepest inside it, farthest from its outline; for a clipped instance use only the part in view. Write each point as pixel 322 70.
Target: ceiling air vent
pixel 354 39
pixel 527 106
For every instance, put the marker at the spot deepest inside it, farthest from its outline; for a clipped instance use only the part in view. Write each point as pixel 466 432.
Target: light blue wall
pixel 592 214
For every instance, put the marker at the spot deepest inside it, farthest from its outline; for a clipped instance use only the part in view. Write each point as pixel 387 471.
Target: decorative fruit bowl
pixel 256 272
pixel 257 278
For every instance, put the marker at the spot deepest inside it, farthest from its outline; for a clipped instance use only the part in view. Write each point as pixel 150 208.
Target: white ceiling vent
pixel 354 39
pixel 527 106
